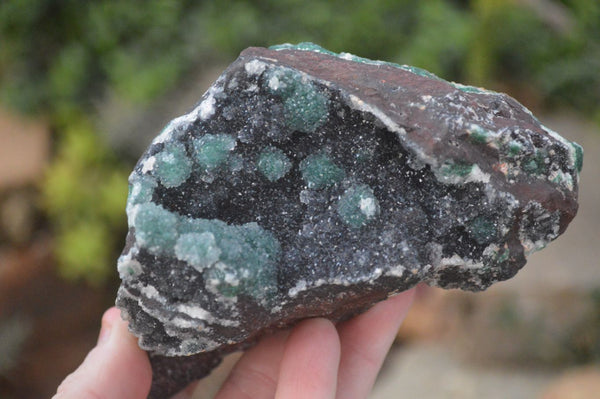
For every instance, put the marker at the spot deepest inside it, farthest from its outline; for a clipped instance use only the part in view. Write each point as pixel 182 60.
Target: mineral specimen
pixel 308 183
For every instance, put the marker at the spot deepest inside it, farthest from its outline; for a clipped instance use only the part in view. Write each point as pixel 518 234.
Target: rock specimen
pixel 308 183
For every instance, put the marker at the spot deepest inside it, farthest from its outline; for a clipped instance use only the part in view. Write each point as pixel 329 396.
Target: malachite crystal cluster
pixel 309 183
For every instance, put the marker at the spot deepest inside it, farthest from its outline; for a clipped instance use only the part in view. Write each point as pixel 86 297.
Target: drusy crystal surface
pixel 308 183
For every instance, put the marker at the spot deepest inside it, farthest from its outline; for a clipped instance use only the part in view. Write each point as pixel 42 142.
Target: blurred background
pixel 85 85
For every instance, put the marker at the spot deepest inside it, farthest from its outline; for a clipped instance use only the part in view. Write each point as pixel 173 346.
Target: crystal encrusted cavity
pixel 308 183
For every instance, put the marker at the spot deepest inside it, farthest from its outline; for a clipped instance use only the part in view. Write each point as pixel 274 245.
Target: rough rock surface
pixel 308 183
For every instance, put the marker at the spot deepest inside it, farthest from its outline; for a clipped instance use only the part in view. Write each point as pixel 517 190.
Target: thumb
pixel 116 368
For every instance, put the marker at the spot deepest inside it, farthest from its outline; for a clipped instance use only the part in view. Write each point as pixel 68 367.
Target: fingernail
pixel 108 322
pixel 104 332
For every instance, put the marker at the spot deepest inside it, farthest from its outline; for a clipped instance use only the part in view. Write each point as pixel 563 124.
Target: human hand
pixel 115 369
pixel 314 360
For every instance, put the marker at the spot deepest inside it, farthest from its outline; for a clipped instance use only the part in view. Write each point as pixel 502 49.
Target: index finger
pixel 365 341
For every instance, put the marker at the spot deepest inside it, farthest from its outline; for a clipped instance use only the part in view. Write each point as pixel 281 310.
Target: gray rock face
pixel 307 183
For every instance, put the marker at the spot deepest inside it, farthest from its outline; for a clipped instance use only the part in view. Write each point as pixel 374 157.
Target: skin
pixel 316 359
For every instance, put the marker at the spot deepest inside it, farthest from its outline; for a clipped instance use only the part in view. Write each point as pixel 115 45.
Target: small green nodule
pixel 173 166
pixel 578 156
pixel 212 150
pixel 141 189
pixel 460 169
pixel 478 135
pixel 319 171
pixel 273 164
pixel 482 230
pixel 358 206
pixel 305 107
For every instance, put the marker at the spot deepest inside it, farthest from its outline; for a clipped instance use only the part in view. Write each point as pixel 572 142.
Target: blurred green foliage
pixel 60 58
pixel 64 54
pixel 84 193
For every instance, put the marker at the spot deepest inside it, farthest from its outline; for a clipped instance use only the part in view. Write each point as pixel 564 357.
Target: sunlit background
pixel 85 85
